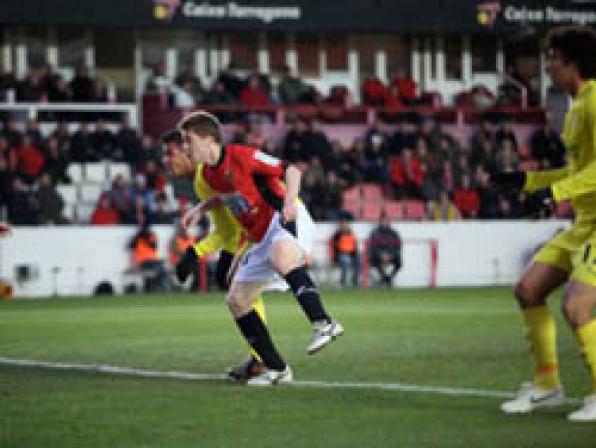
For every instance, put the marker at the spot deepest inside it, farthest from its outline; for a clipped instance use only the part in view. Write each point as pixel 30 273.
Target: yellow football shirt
pixel 576 181
pixel 226 232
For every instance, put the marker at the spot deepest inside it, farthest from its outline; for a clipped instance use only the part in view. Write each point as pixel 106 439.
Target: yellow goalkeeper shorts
pixel 574 251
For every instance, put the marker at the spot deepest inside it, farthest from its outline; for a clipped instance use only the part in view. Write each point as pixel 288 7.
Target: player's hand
pixel 512 179
pixel 186 264
pixel 540 204
pixel 289 213
pixel 191 217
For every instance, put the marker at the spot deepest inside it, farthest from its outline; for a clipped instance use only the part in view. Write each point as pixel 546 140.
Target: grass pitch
pixel 455 338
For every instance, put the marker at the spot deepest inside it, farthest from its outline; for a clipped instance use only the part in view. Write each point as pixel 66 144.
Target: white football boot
pixel 587 413
pixel 271 377
pixel 324 333
pixel 531 397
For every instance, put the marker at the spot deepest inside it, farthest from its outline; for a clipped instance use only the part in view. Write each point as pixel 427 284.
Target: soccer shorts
pixel 573 251
pixel 256 265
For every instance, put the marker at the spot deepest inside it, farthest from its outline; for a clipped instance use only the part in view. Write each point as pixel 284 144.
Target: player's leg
pixel 287 258
pixel 579 303
pixel 531 291
pixel 253 366
pixel 255 332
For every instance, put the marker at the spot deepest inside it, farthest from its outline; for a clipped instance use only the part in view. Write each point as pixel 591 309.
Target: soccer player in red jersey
pixel 249 183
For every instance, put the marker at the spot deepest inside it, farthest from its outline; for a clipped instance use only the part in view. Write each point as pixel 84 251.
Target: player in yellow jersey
pixel 570 257
pixel 226 237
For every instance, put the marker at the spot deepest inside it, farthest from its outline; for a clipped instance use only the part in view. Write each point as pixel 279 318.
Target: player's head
pixel 202 136
pixel 570 52
pixel 176 160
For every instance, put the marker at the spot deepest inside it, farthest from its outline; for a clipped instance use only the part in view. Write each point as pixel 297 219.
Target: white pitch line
pixel 394 387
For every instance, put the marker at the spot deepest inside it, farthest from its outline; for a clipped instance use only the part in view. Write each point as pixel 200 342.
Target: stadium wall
pixel 73 260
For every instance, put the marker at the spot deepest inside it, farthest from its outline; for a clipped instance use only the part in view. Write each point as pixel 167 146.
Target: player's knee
pixel 526 294
pixel 575 312
pixel 286 256
pixel 237 303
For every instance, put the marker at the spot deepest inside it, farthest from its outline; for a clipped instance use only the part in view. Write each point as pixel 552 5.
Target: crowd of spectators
pixel 44 84
pixel 413 161
pixel 418 161
pixel 31 165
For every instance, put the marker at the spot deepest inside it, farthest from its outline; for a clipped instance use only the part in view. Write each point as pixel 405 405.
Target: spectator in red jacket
pixel 406 175
pixel 406 87
pixel 30 160
pixel 466 198
pixel 253 95
pixel 374 92
pixel 104 213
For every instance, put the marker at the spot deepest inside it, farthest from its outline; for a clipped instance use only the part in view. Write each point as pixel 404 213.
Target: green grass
pixel 468 338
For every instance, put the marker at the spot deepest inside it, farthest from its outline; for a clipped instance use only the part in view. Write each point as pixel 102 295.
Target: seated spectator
pixel 183 95
pixel 100 92
pixel 331 197
pixel 32 89
pixel 102 140
pixel 507 158
pixel 196 88
pixel 62 134
pixel 373 165
pixel 406 87
pixel 505 132
pixel 81 149
pixel 488 197
pixel 402 138
pixel 127 140
pixel 445 209
pixel 339 95
pixel 56 161
pixel 104 213
pixel 345 252
pixel 253 95
pixel 219 95
pixel 121 197
pixel 374 92
pixel 33 132
pixel 547 148
pixel 384 251
pixel 292 90
pixel 481 97
pixel 316 144
pixel 406 175
pixel 231 81
pixel 60 91
pixel 30 160
pixel 156 179
pixel 22 204
pixel 50 202
pixel 11 132
pixel 142 196
pixel 145 256
pixel 82 85
pixel 466 198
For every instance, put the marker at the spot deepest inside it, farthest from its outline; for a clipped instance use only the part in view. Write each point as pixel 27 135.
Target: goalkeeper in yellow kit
pixel 570 257
pixel 226 237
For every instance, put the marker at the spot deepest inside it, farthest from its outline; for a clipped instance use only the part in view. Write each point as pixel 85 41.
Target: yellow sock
pixel 586 335
pixel 542 336
pixel 259 307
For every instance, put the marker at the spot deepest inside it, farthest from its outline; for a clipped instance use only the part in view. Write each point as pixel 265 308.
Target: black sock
pixel 256 334
pixel 307 294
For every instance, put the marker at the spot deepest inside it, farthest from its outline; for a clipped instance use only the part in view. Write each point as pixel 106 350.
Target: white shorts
pixel 255 265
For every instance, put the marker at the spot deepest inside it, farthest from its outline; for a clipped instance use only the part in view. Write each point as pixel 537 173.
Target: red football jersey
pixel 255 177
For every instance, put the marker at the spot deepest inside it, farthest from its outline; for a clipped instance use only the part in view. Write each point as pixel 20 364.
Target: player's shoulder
pixel 237 151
